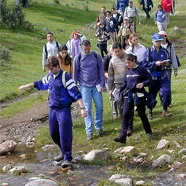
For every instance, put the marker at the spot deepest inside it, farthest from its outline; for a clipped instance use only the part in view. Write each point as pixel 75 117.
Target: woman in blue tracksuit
pixel 157 62
pixel 60 99
pixel 136 78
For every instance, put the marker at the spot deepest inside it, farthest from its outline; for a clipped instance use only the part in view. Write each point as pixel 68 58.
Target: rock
pixel 183 157
pixel 177 164
pixel 7 167
pixel 177 144
pixel 5 184
pixel 42 182
pixel 97 155
pixel 126 150
pixel 7 146
pixel 30 142
pixel 142 154
pixel 162 143
pixel 23 156
pixel 48 147
pixel 142 183
pixel 162 160
pixel 182 151
pixel 34 178
pixel 120 179
pixel 138 159
pixel 18 170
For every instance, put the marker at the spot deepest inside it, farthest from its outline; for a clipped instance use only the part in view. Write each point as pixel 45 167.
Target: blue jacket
pixel 59 96
pixel 121 4
pixel 160 16
pixel 113 22
pixel 151 56
pixel 149 3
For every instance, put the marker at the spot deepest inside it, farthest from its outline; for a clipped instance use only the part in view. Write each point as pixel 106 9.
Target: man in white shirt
pixel 51 48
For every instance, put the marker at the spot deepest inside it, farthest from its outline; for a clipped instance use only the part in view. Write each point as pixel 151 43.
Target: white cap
pixel 125 18
pixel 162 33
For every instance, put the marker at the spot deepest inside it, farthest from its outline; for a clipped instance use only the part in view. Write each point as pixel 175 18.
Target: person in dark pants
pixel 146 5
pixel 60 99
pixel 136 78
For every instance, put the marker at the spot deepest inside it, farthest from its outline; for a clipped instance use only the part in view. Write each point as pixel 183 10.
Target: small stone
pixel 162 143
pixel 140 183
pixel 23 156
pixel 6 168
pixel 5 184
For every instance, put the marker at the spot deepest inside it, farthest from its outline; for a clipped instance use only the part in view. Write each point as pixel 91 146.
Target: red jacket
pixel 166 5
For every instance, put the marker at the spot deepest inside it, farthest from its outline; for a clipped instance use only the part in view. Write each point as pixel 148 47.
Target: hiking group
pixel 124 69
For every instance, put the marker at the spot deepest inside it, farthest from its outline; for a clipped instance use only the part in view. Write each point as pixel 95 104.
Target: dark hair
pixel 124 45
pixel 116 45
pixel 85 43
pixel 68 59
pixel 52 62
pixel 159 6
pixel 113 8
pixel 50 33
pixel 108 12
pixel 131 57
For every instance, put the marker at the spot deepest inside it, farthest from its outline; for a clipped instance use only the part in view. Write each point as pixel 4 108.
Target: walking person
pixel 121 5
pixel 111 26
pixel 157 62
pixel 60 100
pixel 102 37
pixel 51 48
pixel 167 7
pixel 65 61
pixel 132 13
pixel 136 78
pixel 160 19
pixel 89 74
pixel 116 72
pixel 74 44
pixel 135 47
pixel 146 6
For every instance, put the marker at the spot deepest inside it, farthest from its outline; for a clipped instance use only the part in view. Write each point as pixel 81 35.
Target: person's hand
pixel 164 63
pixel 22 87
pixel 110 92
pixel 175 72
pixel 158 63
pixel 106 75
pixel 139 85
pixel 44 69
pixel 84 113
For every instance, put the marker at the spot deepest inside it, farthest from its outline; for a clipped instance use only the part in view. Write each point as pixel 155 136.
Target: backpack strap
pixel 57 44
pixel 63 79
pixel 46 51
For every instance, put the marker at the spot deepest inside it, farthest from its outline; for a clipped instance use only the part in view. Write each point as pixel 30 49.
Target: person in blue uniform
pixel 157 62
pixel 60 99
pixel 134 94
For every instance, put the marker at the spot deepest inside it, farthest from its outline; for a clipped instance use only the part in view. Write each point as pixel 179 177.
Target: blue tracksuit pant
pixel 163 87
pixel 60 126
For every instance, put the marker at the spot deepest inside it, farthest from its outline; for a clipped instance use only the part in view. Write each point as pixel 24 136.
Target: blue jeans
pixel 87 95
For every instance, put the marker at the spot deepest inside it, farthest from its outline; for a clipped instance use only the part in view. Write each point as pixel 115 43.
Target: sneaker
pixel 166 114
pixel 100 132
pixel 149 135
pixel 129 132
pixel 89 136
pixel 149 114
pixel 66 164
pixel 57 163
pixel 59 157
pixel 119 139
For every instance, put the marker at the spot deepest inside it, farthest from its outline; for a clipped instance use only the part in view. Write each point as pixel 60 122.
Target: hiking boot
pixel 57 163
pixel 66 164
pixel 89 136
pixel 149 114
pixel 100 132
pixel 119 139
pixel 149 135
pixel 129 132
pixel 59 157
pixel 166 114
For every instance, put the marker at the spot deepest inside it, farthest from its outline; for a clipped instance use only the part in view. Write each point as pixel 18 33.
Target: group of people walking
pixel 125 71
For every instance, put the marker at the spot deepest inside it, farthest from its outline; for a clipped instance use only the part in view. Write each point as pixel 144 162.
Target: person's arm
pixel 43 59
pixel 101 72
pixel 27 86
pixel 82 108
pixel 76 69
pixel 110 80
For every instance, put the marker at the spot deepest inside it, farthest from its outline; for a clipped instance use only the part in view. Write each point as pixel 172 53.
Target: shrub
pixel 4 53
pixel 14 19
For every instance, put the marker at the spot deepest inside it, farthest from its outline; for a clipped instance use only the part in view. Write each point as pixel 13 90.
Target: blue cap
pixel 157 37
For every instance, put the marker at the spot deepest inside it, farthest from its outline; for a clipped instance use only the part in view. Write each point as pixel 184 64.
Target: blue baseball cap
pixel 157 37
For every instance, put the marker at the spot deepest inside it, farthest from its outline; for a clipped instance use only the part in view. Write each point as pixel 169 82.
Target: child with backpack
pixel 102 37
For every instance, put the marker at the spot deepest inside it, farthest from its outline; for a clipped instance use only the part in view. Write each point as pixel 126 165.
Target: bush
pixel 14 19
pixel 4 53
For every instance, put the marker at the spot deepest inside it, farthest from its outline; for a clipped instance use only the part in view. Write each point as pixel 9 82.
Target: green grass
pixel 25 66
